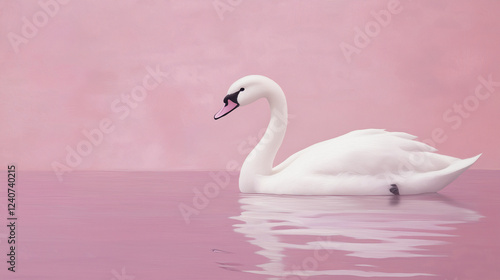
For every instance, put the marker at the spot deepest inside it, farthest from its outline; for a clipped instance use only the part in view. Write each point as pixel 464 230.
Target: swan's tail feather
pixel 458 167
pixel 465 163
pixel 437 180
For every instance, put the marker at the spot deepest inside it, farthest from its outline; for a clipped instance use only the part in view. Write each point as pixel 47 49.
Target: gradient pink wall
pixel 64 66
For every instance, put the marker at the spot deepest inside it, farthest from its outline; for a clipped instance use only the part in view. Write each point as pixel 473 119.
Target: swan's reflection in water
pixel 327 232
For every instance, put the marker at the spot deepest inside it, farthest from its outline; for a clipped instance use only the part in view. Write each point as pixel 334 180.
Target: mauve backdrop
pixel 65 65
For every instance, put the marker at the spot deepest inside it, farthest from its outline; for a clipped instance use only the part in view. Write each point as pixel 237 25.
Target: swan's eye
pixel 242 89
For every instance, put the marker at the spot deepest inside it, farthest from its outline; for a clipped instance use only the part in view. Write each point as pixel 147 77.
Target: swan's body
pixel 362 162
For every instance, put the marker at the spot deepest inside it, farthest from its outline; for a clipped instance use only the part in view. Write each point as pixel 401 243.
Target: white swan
pixel 361 162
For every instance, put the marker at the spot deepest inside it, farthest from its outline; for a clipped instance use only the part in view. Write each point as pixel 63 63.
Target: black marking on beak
pixel 228 108
pixel 233 96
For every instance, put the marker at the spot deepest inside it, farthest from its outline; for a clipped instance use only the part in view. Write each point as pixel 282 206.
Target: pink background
pixel 65 78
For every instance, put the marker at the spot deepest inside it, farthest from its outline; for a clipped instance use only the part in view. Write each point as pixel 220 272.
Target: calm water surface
pixel 196 225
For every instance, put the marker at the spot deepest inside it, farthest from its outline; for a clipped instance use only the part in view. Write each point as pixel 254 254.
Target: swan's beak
pixel 228 108
pixel 230 103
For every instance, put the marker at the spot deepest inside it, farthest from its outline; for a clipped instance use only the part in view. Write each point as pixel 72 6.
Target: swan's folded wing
pixel 366 152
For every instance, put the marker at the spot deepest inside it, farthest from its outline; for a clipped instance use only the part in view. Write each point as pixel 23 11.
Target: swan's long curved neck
pixel 260 160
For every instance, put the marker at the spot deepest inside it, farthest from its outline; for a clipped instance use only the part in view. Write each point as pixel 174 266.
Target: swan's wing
pixel 366 152
pixel 325 145
pixel 366 162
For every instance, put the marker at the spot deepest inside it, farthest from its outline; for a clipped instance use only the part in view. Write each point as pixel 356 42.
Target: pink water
pixel 127 225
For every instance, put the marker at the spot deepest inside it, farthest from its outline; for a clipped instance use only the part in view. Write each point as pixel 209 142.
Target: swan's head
pixel 247 90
